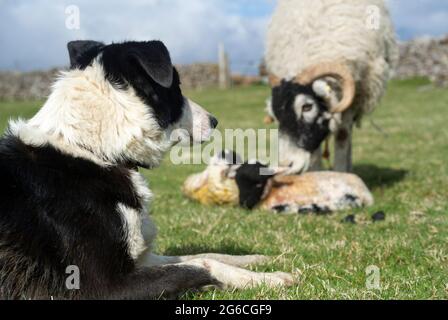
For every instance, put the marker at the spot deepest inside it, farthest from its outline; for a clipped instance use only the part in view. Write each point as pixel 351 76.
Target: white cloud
pixel 191 29
pixel 34 35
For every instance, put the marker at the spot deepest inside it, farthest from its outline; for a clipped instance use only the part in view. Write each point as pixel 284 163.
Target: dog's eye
pixel 307 107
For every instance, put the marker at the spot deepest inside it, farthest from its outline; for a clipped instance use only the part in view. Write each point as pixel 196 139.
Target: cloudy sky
pixel 34 33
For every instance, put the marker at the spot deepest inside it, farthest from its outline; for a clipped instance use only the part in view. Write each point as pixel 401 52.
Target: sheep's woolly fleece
pixel 303 33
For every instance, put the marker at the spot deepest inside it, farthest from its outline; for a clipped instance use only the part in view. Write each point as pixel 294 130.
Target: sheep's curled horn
pixel 337 70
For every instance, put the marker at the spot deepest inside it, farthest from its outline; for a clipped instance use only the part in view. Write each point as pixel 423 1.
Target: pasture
pixel 401 152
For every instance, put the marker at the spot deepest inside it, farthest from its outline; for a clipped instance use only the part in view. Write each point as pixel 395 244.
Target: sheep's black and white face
pixel 304 121
pixel 301 114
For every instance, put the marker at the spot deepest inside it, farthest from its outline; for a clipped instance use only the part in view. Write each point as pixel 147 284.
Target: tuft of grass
pixel 406 166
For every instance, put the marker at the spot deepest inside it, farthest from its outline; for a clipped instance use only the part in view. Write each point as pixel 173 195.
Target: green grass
pixel 405 165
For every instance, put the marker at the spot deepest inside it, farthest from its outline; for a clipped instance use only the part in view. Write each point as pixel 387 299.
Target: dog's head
pixel 146 95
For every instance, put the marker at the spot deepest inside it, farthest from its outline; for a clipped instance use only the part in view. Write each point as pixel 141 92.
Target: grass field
pixel 406 166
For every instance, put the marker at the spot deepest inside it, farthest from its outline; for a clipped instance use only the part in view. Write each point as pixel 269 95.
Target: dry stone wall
pixel 36 85
pixel 423 57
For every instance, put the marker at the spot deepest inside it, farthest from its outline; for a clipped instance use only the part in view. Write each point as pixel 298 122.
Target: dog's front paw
pixel 256 259
pixel 280 279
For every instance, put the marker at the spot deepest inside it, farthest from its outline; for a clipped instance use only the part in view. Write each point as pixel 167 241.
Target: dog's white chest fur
pixel 140 230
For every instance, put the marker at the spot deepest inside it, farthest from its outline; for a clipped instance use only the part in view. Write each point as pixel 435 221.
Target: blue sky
pixel 33 33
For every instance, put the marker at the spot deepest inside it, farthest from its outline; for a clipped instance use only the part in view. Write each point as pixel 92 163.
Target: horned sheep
pixel 329 62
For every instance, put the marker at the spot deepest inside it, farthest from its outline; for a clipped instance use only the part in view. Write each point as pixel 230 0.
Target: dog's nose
pixel 213 122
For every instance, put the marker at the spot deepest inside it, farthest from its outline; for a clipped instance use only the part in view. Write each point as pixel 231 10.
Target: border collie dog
pixel 71 197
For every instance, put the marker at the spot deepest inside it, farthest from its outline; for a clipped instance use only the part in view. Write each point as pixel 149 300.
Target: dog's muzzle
pixel 195 126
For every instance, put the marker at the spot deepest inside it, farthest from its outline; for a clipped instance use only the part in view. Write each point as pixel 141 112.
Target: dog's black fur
pixel 306 135
pixel 57 210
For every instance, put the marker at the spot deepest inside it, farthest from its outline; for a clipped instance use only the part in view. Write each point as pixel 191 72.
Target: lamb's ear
pixel 232 171
pixel 81 50
pixel 155 60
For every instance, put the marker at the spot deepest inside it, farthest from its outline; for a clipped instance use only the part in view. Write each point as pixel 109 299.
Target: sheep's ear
pixel 82 50
pixel 323 89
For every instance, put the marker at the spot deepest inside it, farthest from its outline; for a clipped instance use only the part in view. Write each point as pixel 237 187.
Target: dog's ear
pixel 81 51
pixel 155 60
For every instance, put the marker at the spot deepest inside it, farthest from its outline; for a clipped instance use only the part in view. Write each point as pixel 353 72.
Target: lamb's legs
pixel 150 259
pixel 343 144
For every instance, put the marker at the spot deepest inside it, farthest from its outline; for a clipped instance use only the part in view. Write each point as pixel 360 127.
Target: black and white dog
pixel 70 194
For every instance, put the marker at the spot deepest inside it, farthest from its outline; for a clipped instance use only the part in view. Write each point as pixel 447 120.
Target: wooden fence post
pixel 224 69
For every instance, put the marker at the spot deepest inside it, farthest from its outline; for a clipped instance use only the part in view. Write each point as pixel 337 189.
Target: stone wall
pixel 199 75
pixel 26 86
pixel 36 85
pixel 424 57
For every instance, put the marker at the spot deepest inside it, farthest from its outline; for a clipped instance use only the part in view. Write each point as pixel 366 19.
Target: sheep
pixel 227 182
pixel 329 62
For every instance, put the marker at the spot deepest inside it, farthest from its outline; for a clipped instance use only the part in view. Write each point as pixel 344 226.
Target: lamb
pixel 329 62
pixel 228 182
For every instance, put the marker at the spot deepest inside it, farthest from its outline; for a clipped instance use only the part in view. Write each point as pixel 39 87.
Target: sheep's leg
pixel 316 160
pixel 150 259
pixel 343 144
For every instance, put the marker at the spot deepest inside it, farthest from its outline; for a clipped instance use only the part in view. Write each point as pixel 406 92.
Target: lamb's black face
pixel 251 184
pixel 145 66
pixel 301 114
